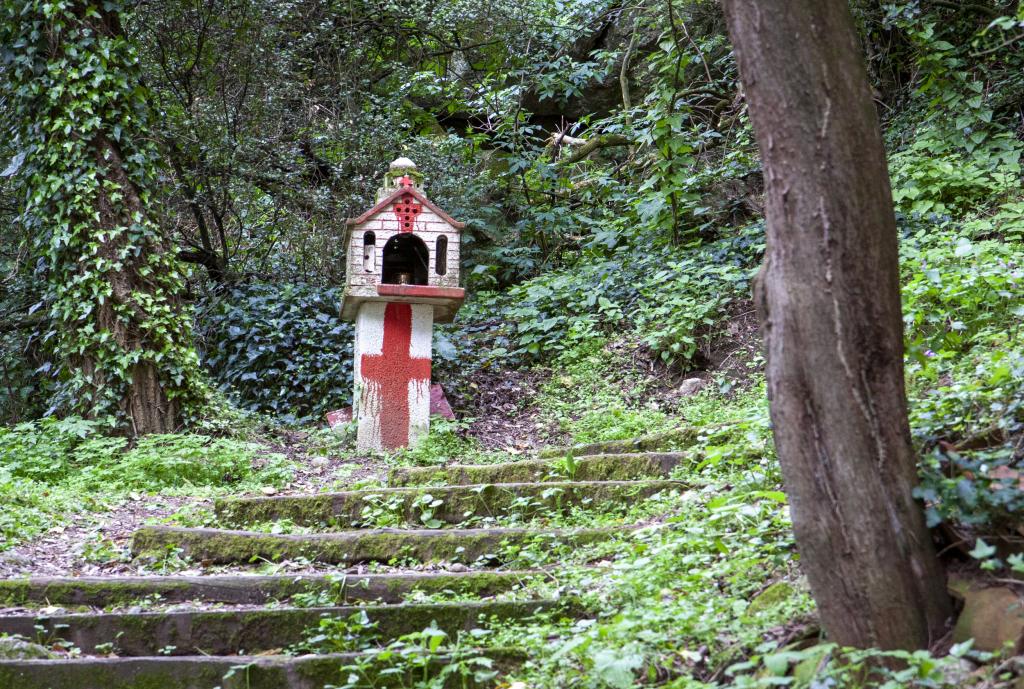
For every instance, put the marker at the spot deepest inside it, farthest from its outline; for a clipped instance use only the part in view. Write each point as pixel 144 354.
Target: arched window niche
pixel 405 261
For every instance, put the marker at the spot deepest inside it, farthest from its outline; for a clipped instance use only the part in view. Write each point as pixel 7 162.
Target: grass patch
pixel 53 468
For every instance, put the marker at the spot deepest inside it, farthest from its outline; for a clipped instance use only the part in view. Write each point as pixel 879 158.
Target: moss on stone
pixel 992 616
pixel 263 672
pixel 457 502
pixel 609 467
pixel 480 584
pixel 306 509
pixel 774 595
pixel 12 648
pixel 81 591
pixel 229 632
pixel 349 547
pixel 175 673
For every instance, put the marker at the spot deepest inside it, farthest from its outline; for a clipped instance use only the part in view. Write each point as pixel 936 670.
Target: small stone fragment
pixel 439 403
pixel 14 559
pixel 690 387
pixel 992 617
pixel 337 419
pixel 958 674
pixel 13 648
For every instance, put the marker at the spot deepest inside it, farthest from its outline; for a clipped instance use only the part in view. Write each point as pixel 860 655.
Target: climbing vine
pixel 117 335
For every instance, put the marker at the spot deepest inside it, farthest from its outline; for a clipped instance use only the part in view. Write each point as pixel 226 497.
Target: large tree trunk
pixel 145 403
pixel 830 310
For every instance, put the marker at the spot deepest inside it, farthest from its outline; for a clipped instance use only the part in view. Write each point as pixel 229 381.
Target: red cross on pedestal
pixel 406 208
pixel 391 372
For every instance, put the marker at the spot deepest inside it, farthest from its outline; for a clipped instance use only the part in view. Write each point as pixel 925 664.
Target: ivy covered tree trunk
pixel 829 300
pixel 120 338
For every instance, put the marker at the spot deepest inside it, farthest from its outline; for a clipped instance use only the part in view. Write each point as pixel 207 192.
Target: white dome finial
pixel 402 163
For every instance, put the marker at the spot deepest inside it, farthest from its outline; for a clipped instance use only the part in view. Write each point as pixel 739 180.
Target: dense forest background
pixel 599 152
pixel 174 181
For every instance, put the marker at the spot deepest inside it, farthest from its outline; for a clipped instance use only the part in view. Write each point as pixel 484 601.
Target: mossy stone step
pixel 219 546
pixel 102 592
pixel 457 502
pixel 233 632
pixel 676 439
pixel 607 467
pixel 202 672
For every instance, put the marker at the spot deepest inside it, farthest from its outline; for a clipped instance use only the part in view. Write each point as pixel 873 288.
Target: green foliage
pixel 19 396
pixel 827 665
pixel 958 175
pixel 959 291
pixel 168 462
pixel 87 166
pixel 73 451
pixel 671 604
pixel 673 299
pixel 281 349
pixel 41 450
pixel 587 398
pixel 341 635
pixel 649 239
pixel 427 659
pixel 381 511
pixel 964 151
pixel 962 313
pixel 659 169
pixel 929 178
pixel 30 507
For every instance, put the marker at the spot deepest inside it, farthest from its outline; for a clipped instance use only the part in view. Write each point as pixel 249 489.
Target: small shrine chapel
pixel 402 276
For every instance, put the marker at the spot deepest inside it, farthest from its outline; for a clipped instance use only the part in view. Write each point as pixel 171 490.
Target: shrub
pixel 53 468
pixel 41 450
pixel 73 452
pixel 958 292
pixel 965 367
pixel 673 298
pixel 166 462
pixel 279 349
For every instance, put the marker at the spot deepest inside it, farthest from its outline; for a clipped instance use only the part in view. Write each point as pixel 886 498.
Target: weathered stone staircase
pixel 233 631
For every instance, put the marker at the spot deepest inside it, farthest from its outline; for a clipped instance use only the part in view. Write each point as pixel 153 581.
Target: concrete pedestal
pixel 392 374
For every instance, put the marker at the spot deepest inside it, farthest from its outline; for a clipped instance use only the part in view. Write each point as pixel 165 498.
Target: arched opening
pixel 369 252
pixel 441 256
pixel 405 261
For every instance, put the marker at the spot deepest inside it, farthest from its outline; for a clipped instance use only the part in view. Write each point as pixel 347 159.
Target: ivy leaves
pixel 88 166
pixel 280 348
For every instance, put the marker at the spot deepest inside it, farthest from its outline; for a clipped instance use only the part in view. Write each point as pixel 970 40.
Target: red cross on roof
pixel 406 208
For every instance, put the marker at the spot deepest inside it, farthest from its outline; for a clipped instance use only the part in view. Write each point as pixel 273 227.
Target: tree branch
pixel 978 7
pixel 603 141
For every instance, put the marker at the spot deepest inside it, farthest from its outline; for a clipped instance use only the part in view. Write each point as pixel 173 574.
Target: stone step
pixel 219 546
pixel 105 592
pixel 606 467
pixel 677 439
pixel 205 672
pixel 414 505
pixel 248 631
